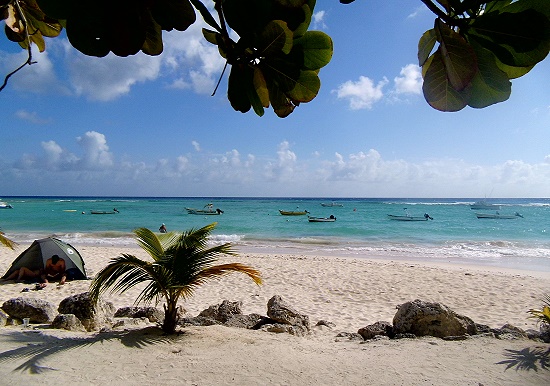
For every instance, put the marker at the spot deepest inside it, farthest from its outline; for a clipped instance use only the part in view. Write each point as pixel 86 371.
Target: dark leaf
pixel 457 56
pixel 173 14
pixel 206 15
pixel 153 36
pixel 240 79
pixel 306 88
pixel 56 9
pixel 437 89
pixel 247 17
pixel 274 39
pixel 426 45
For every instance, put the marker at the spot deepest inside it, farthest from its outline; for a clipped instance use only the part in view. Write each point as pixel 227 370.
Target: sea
pixel 253 224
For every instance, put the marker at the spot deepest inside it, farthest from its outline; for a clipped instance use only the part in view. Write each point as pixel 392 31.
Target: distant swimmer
pixel 162 228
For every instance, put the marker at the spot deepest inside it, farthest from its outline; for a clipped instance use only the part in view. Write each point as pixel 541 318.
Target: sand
pixel 349 292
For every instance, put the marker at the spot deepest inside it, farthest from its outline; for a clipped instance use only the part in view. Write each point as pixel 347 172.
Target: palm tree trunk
pixel 170 317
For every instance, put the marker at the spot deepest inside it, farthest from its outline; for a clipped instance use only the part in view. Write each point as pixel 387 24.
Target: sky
pixel 149 126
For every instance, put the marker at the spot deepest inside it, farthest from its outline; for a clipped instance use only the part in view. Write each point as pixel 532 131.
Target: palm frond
pixel 149 242
pixel 7 242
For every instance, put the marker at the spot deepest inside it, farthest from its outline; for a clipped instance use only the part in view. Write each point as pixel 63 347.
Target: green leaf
pixel 206 15
pixel 426 45
pixel 317 49
pixel 274 39
pixel 282 105
pixel 173 14
pixel 519 39
pixel 210 36
pixel 260 85
pixel 308 14
pixel 457 55
pixel 239 80
pixel 513 72
pixel 153 36
pixel 437 88
pixel 56 9
pixel 491 85
pixel 307 87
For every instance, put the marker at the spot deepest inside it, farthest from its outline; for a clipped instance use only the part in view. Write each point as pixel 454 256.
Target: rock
pixel 345 336
pixel 68 322
pixel 93 316
pixel 282 312
pixel 378 328
pixel 37 310
pixel 244 321
pixel 434 319
pixel 3 318
pixel 509 332
pixel 286 328
pixel 127 322
pixel 325 323
pixel 197 321
pixel 154 315
pixel 223 312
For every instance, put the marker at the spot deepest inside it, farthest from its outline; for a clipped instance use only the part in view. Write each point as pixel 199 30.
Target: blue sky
pixel 148 126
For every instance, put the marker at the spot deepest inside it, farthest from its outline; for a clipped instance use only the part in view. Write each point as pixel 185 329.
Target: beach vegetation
pixel 7 242
pixel 468 58
pixel 181 262
pixel 543 314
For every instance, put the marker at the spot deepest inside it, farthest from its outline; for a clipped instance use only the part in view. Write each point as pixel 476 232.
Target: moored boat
pixel 5 205
pixel 207 210
pixel 331 204
pixel 293 212
pixel 408 217
pixel 484 205
pixel 499 216
pixel 321 219
pixel 104 211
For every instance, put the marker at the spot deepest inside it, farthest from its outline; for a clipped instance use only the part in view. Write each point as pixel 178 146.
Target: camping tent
pixel 41 250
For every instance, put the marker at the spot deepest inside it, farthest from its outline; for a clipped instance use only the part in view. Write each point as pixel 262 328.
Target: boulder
pixel 283 313
pixel 223 312
pixel 378 328
pixel 93 316
pixel 154 315
pixel 37 310
pixel 434 319
pixel 286 328
pixel 3 318
pixel 68 322
pixel 250 321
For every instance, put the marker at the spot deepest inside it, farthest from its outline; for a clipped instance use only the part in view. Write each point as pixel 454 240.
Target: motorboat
pixel 499 216
pixel 5 205
pixel 104 211
pixel 321 219
pixel 293 212
pixel 331 204
pixel 484 205
pixel 207 210
pixel 408 217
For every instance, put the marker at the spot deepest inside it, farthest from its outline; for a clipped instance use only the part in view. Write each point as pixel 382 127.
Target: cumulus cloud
pixel 362 93
pixel 96 150
pixel 409 81
pixel 318 20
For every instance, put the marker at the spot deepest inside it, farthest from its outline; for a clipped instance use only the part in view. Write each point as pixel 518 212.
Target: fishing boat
pixel 499 216
pixel 293 212
pixel 321 219
pixel 104 211
pixel 207 210
pixel 484 205
pixel 408 217
pixel 5 205
pixel 331 204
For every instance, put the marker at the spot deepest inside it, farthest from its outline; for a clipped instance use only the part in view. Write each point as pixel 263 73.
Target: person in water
pixel 162 228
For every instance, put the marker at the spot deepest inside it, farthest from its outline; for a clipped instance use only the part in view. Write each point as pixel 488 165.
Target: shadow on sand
pixel 530 358
pixel 36 346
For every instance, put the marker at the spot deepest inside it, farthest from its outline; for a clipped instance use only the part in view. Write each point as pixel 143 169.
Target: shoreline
pixel 347 291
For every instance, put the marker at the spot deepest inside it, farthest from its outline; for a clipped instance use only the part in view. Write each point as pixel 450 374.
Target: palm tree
pixel 181 263
pixel 7 242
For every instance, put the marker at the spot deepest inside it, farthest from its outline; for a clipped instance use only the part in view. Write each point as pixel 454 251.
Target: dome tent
pixel 40 251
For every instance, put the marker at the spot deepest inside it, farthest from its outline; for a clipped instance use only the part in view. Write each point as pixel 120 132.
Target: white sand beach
pixel 349 292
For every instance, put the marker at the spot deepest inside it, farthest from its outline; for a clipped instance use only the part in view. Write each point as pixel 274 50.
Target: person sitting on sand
pixel 24 273
pixel 54 270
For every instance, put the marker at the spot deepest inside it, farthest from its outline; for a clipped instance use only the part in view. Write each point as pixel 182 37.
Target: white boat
pixel 408 217
pixel 321 219
pixel 484 205
pixel 498 216
pixel 5 205
pixel 331 204
pixel 207 210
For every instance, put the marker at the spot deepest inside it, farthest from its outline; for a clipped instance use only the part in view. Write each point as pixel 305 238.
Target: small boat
pixel 484 205
pixel 5 205
pixel 498 216
pixel 104 211
pixel 407 217
pixel 293 212
pixel 331 204
pixel 207 210
pixel 321 219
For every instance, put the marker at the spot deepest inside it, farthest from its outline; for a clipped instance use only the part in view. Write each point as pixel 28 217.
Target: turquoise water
pixel 361 229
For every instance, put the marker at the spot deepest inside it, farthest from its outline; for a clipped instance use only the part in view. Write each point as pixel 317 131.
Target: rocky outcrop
pixel 376 329
pixel 154 315
pixel 3 318
pixel 223 312
pixel 37 310
pixel 93 316
pixel 434 319
pixel 284 313
pixel 68 322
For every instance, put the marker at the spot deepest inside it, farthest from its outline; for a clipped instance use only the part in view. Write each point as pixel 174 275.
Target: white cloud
pixel 318 19
pixel 361 94
pixel 30 116
pixel 196 145
pixel 409 81
pixel 96 150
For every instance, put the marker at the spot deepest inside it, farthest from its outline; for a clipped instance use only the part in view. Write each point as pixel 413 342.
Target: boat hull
pixel 497 216
pixel 293 213
pixel 407 218
pixel 321 219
